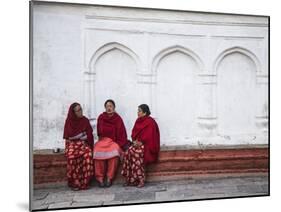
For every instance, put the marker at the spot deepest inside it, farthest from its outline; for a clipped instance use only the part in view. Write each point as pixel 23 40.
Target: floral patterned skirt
pixel 79 164
pixel 133 165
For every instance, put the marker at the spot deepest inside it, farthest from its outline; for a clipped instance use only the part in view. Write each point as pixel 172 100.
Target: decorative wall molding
pixel 108 47
pixel 175 21
pixel 172 49
pixel 207 79
pixel 262 79
pixel 235 49
pixel 239 37
pixel 144 78
pixel 128 31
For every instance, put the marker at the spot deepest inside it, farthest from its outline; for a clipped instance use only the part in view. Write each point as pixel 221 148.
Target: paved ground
pixel 191 189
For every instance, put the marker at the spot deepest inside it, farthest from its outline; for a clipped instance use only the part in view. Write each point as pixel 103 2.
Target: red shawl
pixel 146 130
pixel 74 125
pixel 112 127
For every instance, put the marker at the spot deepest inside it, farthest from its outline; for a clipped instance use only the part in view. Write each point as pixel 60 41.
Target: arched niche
pixel 175 93
pixel 114 67
pixel 236 70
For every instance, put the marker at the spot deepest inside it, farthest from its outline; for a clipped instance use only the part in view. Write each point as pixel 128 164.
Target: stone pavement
pixel 190 189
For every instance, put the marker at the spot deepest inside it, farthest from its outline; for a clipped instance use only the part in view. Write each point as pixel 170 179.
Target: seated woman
pixel 78 135
pixel 145 148
pixel 112 141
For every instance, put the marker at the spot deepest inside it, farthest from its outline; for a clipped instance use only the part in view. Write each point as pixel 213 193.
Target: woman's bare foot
pixel 126 184
pixel 75 189
pixel 140 185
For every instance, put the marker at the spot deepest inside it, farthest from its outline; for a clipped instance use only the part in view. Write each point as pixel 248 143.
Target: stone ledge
pixel 172 164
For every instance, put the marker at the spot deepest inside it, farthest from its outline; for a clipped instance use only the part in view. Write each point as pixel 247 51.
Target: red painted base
pixel 172 164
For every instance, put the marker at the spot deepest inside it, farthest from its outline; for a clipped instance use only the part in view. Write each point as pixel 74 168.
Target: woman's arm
pixel 83 138
pixel 77 136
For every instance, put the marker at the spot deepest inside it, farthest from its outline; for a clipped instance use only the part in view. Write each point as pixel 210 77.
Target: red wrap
pixel 112 127
pixel 146 131
pixel 74 125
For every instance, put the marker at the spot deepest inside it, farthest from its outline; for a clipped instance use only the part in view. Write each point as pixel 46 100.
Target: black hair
pixel 74 105
pixel 111 101
pixel 145 109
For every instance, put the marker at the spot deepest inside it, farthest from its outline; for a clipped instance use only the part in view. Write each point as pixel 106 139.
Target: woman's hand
pixel 137 143
pixel 134 143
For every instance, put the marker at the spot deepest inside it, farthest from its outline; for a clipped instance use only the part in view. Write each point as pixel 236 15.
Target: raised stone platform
pixel 175 163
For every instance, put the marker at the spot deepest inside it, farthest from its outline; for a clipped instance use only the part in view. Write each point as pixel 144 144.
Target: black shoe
pixel 108 183
pixel 101 184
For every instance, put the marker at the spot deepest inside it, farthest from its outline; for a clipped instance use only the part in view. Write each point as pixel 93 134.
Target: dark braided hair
pixel 145 109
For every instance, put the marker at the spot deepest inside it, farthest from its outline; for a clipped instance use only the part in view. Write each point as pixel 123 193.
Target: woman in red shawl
pixel 78 135
pixel 145 148
pixel 112 141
